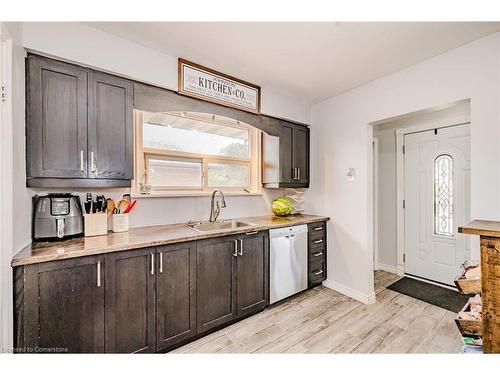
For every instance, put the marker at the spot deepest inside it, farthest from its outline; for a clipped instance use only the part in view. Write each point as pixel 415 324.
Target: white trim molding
pixel 387 268
pixel 367 299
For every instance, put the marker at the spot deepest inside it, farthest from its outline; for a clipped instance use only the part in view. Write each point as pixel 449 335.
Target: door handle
pixel 293 173
pixel 298 173
pixel 99 274
pixel 161 262
pixel 235 252
pixel 92 165
pixel 152 264
pixel 81 161
pixel 241 247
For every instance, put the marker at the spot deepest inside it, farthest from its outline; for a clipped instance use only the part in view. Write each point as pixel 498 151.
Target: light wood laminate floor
pixel 324 321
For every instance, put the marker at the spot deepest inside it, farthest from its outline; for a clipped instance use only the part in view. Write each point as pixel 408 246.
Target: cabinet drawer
pixel 316 253
pixel 317 272
pixel 317 239
pixel 317 227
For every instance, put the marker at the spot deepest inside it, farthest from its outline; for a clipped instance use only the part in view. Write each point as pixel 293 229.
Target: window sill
pixel 193 194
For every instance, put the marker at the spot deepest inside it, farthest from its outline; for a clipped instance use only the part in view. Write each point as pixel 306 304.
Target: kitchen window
pixel 186 153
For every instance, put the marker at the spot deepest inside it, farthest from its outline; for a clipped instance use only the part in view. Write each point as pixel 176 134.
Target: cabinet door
pixel 63 305
pixel 286 162
pixel 300 154
pixel 110 127
pixel 252 274
pixel 215 282
pixel 56 119
pixel 176 298
pixel 130 301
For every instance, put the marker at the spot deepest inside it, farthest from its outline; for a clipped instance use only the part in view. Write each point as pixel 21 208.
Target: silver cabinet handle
pixel 318 241
pixel 293 173
pixel 161 262
pixel 252 232
pixel 318 228
pixel 92 165
pixel 99 274
pixel 318 273
pixel 318 254
pixel 81 161
pixel 241 247
pixel 235 252
pixel 152 264
pixel 298 173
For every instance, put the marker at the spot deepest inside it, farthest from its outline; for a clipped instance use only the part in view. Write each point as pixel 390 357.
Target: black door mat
pixel 435 295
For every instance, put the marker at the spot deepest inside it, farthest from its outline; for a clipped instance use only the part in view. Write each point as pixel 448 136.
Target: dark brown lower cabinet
pixel 215 282
pixel 143 300
pixel 130 301
pixel 176 298
pixel 232 278
pixel 59 306
pixel 252 275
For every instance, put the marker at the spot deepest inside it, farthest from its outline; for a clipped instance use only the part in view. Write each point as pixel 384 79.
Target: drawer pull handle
pixel 99 274
pixel 318 241
pixel 318 254
pixel 318 228
pixel 318 273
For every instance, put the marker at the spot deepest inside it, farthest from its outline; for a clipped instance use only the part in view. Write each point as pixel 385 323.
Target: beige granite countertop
pixel 135 238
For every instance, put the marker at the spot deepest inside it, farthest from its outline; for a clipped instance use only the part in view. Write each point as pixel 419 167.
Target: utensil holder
pixel 96 224
pixel 120 223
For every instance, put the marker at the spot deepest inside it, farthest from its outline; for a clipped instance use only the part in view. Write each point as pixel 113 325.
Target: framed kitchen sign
pixel 204 83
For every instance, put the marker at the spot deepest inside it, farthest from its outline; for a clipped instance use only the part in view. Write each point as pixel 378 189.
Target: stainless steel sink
pixel 208 226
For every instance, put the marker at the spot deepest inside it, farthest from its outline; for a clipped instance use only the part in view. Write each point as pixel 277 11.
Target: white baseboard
pixel 387 268
pixel 349 292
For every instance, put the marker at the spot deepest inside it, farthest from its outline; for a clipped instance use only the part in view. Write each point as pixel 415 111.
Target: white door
pixel 437 200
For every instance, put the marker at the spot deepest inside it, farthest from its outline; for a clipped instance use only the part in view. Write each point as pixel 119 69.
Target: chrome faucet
pixel 215 206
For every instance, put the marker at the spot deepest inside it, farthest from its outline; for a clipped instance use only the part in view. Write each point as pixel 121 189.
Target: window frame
pixel 142 154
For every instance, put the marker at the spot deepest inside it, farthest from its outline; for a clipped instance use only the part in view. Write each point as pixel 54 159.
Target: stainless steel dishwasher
pixel 288 261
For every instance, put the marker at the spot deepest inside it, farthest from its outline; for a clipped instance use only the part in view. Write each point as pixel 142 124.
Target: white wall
pixel 342 139
pixel 94 48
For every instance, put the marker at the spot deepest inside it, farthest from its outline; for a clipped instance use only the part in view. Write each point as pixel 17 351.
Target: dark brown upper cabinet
pixel 60 306
pixel 286 158
pixel 79 130
pixel 110 130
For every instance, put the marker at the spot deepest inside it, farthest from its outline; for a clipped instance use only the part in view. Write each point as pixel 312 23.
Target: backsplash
pixel 169 210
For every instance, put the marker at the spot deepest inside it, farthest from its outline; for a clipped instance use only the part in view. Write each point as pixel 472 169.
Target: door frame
pixel 6 207
pixel 375 204
pixel 400 179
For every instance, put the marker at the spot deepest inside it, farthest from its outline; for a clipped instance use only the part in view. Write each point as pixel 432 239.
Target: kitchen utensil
pixel 122 206
pixel 110 203
pixel 130 207
pixel 88 203
pixel 127 197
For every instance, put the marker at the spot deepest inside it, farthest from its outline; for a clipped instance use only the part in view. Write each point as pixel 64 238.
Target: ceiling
pixel 310 61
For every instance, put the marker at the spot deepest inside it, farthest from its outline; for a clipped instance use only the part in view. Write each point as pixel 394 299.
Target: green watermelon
pixel 282 206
